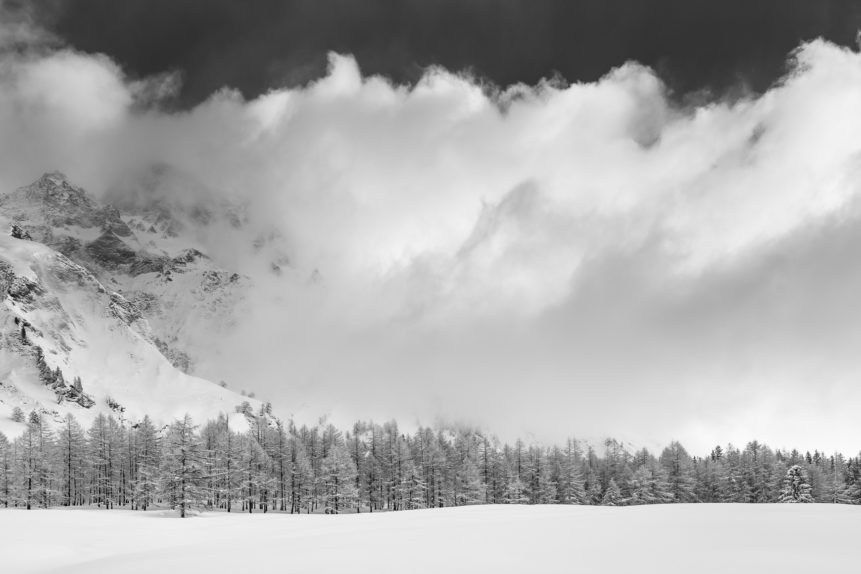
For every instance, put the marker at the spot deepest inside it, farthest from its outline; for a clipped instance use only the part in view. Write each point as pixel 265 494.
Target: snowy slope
pixel 152 253
pixel 677 538
pixel 77 318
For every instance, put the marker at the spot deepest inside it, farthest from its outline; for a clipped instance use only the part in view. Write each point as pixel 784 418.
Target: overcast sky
pixel 658 250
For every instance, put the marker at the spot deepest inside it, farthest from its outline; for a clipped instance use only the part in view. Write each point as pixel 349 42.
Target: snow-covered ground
pixel 667 539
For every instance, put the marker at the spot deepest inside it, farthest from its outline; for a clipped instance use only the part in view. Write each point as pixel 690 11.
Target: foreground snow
pixel 672 538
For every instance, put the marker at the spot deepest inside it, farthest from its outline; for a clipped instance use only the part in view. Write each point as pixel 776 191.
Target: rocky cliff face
pixel 91 316
pixel 181 292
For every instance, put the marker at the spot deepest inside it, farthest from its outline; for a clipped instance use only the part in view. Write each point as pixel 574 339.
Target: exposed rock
pixel 6 276
pixel 19 232
pixel 145 264
pixel 177 358
pixel 23 289
pixel 113 223
pixel 189 256
pixel 66 245
pixel 109 250
pixel 123 309
pixel 70 272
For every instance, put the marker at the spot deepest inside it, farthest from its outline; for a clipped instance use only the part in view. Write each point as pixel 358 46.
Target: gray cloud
pixel 552 259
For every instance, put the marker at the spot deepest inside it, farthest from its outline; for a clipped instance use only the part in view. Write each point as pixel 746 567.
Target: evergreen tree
pixel 252 481
pixel 338 473
pixel 573 489
pixel 641 487
pixel 759 471
pixel 6 470
pixel 281 463
pixel 679 467
pixel 515 492
pixel 72 446
pixel 795 486
pixel 183 478
pixel 26 465
pixel 471 488
pixel 101 455
pixel 416 488
pixel 612 496
pixel 594 491
pixel 148 458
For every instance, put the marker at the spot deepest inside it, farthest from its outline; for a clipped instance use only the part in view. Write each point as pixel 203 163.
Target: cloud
pixel 587 258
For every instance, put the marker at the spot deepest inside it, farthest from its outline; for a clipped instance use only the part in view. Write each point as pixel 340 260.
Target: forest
pixel 278 466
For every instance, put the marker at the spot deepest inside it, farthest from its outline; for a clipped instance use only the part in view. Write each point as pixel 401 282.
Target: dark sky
pixel 255 45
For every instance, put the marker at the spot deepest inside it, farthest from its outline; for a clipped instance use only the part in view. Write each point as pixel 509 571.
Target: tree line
pixel 278 466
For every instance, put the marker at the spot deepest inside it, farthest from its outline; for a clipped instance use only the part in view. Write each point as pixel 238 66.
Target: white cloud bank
pixel 553 259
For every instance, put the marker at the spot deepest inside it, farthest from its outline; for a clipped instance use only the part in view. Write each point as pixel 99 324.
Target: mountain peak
pixel 53 202
pixel 55 188
pixel 55 177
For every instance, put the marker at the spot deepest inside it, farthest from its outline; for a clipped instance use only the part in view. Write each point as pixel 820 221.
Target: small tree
pixel 612 496
pixel 18 415
pixel 641 487
pixel 795 486
pixel 515 491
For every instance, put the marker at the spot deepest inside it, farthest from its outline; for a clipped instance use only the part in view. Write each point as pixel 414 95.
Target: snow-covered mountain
pixel 96 306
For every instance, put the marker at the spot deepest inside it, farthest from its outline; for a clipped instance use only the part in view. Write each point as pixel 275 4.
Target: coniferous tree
pixel 594 491
pixel 101 459
pixel 641 487
pixel 572 489
pixel 471 489
pixel 281 463
pixel 148 458
pixel 416 487
pixel 6 470
pixel 314 469
pixel 795 486
pixel 759 472
pixel 612 496
pixel 251 486
pixel 545 485
pixel 183 479
pixel 515 493
pixel 72 446
pixel 34 463
pixel 338 480
pixel 679 468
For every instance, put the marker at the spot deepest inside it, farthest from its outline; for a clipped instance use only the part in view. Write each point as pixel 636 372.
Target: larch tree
pixel 5 471
pixel 641 487
pixel 679 467
pixel 612 496
pixel 34 462
pixel 101 461
pixel 148 458
pixel 183 466
pixel 339 480
pixel 72 446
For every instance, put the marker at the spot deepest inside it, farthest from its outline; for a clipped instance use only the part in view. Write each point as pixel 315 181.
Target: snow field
pixel 703 538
